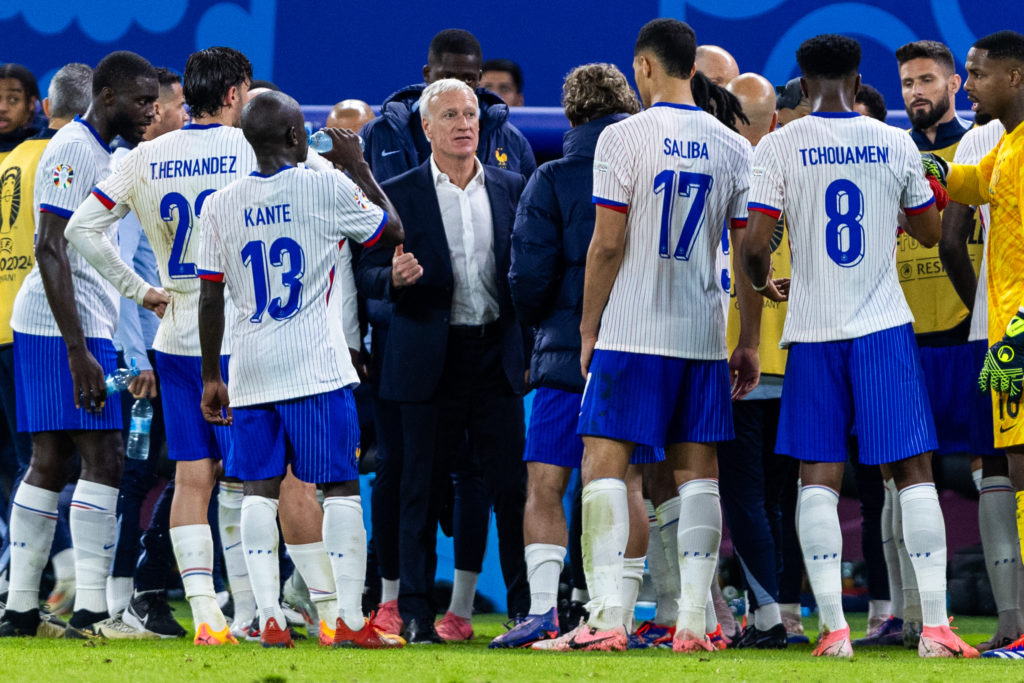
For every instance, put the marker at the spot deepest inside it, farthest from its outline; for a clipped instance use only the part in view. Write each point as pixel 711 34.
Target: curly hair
pixel 717 101
pixel 595 90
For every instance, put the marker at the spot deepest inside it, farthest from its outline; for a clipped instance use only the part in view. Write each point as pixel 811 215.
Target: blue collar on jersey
pixel 835 114
pixel 201 126
pixel 675 105
pixel 271 175
pixel 94 132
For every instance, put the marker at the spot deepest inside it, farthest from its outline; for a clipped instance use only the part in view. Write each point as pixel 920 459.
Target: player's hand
pixel 744 371
pixel 587 353
pixel 777 289
pixel 405 269
pixel 346 152
pixel 156 300
pixel 1003 370
pixel 88 380
pixel 358 364
pixel 935 166
pixel 144 385
pixel 215 404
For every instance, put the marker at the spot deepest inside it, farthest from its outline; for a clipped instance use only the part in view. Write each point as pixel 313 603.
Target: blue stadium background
pixel 321 52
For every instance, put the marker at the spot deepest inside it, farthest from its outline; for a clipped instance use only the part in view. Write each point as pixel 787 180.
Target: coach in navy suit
pixel 455 357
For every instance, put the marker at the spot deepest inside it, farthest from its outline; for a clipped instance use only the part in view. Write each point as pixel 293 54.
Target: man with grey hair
pixel 454 361
pixel 69 95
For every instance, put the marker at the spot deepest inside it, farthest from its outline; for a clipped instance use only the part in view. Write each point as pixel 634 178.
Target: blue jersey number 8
pixel 844 233
pixel 693 187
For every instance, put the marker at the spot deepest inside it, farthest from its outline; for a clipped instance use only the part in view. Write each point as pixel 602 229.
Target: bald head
pixel 253 92
pixel 757 97
pixel 717 64
pixel 350 114
pixel 273 124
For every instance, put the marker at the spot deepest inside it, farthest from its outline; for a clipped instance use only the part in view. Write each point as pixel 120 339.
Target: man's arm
pixel 924 225
pixel 604 257
pixel 211 334
pixel 967 184
pixel 957 228
pixel 744 364
pixel 755 252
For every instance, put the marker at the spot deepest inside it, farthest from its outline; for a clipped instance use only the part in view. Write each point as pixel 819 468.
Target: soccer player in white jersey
pixel 842 179
pixel 272 239
pixel 166 183
pixel 64 320
pixel 653 329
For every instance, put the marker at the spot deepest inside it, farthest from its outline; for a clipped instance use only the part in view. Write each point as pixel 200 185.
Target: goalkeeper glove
pixel 1003 370
pixel 935 166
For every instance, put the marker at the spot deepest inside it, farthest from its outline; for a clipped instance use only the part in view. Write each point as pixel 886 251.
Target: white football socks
pixel 119 594
pixel 908 579
pixel 93 524
pixel 345 541
pixel 767 616
pixel 544 563
pixel 33 520
pixel 925 533
pixel 821 541
pixel 389 590
pixel 605 533
pixel 658 566
pixel 193 549
pixel 314 567
pixel 698 536
pixel 710 615
pixel 890 549
pixel 463 593
pixel 64 565
pixel 632 579
pixel 229 522
pixel 668 531
pixel 260 540
pixel 997 519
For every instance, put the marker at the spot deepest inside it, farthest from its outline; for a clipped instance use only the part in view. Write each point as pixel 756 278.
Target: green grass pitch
pixel 178 660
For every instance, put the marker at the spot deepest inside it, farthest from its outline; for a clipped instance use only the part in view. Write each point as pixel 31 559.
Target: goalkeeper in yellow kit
pixel 995 83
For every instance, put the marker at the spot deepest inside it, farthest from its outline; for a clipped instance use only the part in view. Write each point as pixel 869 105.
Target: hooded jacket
pixel 554 224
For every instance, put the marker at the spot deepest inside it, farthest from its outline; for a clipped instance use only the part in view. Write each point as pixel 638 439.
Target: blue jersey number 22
pixel 174 202
pixel 693 187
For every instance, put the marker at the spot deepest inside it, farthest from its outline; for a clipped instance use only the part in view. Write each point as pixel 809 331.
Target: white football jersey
pixel 842 179
pixel 678 174
pixel 72 163
pixel 974 145
pixel 165 183
pixel 274 241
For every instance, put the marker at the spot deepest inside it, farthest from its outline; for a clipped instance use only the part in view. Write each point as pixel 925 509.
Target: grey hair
pixel 442 86
pixel 70 91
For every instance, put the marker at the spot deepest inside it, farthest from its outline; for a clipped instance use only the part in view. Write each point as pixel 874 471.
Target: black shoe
pixel 149 611
pixel 36 623
pixel 577 613
pixel 421 633
pixel 772 639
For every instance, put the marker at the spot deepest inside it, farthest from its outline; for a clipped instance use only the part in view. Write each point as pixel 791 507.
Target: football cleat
pixel 911 634
pixel 834 643
pixel 61 600
pixel 388 617
pixel 718 639
pixel 528 630
pixel 111 628
pixel 996 642
pixel 325 635
pixel 149 611
pixel 453 628
pixel 794 629
pixel 689 642
pixel 1014 650
pixel 369 637
pixel 752 637
pixel 272 635
pixel 890 633
pixel 37 623
pixel 940 641
pixel 586 638
pixel 206 636
pixel 650 634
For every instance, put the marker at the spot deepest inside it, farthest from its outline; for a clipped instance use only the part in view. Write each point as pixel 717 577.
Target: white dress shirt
pixel 469 228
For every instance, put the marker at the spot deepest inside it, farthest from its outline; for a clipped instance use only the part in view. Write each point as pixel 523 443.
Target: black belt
pixel 474 331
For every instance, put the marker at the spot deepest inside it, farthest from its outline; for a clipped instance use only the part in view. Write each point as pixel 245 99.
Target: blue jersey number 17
pixel 693 189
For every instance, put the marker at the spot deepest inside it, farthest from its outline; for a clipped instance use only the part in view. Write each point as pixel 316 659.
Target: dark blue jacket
pixel 417 341
pixel 554 224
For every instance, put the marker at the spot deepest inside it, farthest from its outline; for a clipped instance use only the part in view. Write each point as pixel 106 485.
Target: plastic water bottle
pixel 138 436
pixel 119 380
pixel 321 143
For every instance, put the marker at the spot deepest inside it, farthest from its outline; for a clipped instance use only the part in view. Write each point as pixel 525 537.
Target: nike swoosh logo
pixel 576 645
pixel 1003 430
pixel 108 547
pixel 233 545
pixel 394 151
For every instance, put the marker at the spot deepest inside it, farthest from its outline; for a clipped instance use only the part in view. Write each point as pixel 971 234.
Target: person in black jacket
pixel 554 224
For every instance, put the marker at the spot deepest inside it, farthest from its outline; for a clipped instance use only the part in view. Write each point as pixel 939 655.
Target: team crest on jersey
pixel 63 176
pixel 361 199
pixel 602 166
pixel 501 157
pixel 757 171
pixel 10 198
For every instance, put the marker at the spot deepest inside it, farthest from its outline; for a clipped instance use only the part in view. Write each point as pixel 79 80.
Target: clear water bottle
pixel 321 143
pixel 138 435
pixel 119 380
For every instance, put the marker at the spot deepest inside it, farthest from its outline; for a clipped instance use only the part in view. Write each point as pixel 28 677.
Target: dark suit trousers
pixel 473 403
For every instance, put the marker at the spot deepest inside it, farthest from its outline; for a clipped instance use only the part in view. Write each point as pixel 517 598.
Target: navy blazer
pixel 414 355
